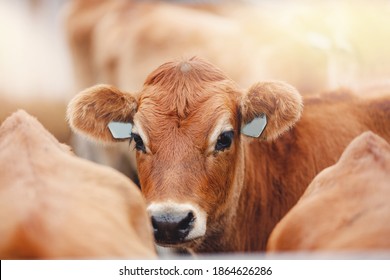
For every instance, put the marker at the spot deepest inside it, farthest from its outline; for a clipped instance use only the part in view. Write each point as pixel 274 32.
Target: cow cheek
pixel 144 175
pixel 220 183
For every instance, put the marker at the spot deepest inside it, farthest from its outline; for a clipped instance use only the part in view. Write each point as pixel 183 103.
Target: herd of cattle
pixel 217 169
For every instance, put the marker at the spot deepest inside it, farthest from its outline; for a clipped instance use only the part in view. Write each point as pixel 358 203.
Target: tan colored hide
pixel 346 207
pixel 55 205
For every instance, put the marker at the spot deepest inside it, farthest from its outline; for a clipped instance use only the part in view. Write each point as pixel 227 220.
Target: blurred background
pixel 52 49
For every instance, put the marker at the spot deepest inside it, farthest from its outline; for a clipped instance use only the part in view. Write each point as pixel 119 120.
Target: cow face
pixel 187 125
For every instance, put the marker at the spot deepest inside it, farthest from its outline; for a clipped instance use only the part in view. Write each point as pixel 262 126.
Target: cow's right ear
pixel 92 111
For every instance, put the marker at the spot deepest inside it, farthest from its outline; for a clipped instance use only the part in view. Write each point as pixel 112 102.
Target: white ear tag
pixel 120 130
pixel 256 127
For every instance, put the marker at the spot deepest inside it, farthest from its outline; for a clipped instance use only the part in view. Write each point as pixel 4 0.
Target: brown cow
pixel 55 205
pixel 346 206
pixel 209 188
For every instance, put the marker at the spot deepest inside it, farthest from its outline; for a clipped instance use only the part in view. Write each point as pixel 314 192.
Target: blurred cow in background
pixel 121 41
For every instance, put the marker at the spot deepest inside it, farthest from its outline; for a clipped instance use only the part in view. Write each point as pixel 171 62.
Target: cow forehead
pixel 210 107
pixel 159 119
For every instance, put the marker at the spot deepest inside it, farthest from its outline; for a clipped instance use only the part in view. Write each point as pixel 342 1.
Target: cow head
pixel 188 125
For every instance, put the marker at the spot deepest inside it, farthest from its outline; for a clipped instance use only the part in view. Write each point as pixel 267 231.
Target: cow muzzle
pixel 176 223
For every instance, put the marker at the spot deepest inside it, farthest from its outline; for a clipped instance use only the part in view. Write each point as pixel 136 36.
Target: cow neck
pixel 256 212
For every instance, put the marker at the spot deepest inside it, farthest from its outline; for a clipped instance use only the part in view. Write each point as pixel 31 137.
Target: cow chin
pixel 184 244
pixel 179 225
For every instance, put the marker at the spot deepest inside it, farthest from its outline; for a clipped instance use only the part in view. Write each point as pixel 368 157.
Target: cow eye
pixel 224 140
pixel 139 144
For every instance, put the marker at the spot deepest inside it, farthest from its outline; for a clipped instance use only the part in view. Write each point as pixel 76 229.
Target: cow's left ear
pixel 103 113
pixel 269 109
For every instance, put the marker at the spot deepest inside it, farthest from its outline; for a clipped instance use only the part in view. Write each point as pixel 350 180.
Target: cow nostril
pixel 154 223
pixel 186 222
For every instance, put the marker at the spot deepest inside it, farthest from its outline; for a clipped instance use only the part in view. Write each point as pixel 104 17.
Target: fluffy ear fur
pixel 91 110
pixel 280 102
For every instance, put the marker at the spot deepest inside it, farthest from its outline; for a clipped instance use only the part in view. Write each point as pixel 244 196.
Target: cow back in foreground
pixel 210 187
pixel 55 205
pixel 345 207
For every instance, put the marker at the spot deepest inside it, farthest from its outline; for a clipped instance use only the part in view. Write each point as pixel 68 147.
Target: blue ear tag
pixel 120 130
pixel 255 127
